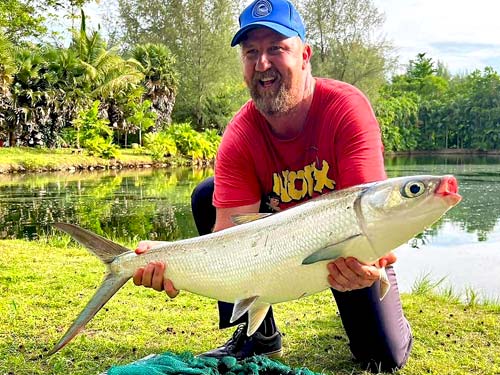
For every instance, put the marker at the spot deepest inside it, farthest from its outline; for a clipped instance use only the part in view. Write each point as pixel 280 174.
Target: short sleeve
pixel 236 180
pixel 358 144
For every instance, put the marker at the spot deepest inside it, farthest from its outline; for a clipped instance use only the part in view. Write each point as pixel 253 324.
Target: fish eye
pixel 413 189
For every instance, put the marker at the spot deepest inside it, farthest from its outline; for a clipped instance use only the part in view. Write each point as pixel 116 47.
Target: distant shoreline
pixel 460 151
pixel 21 160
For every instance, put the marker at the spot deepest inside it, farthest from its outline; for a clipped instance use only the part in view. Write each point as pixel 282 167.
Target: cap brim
pixel 285 31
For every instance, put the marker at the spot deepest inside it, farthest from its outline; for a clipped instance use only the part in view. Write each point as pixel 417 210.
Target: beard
pixel 272 102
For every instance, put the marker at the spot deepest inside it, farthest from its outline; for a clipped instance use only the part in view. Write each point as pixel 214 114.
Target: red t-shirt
pixel 340 146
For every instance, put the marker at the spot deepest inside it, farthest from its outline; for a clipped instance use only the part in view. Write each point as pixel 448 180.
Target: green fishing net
pixel 186 363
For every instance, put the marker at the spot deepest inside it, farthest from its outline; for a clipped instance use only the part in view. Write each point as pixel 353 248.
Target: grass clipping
pixel 43 287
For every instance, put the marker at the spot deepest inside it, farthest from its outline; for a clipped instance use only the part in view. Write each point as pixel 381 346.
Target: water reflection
pixel 155 204
pixel 478 213
pixel 127 205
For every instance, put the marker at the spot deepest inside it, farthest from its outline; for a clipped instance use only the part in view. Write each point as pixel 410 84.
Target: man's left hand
pixel 348 274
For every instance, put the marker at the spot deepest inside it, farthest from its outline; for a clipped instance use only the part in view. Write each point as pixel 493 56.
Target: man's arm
pixel 223 218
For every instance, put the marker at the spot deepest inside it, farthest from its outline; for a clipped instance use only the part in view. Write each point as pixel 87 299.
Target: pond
pixel 463 249
pixel 130 205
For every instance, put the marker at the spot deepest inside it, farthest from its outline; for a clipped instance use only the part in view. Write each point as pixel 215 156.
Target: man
pixel 298 137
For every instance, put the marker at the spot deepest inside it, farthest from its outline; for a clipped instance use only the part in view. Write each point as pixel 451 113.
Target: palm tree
pixel 27 93
pixel 107 76
pixel 7 70
pixel 161 79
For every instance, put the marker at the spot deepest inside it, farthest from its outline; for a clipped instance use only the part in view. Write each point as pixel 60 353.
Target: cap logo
pixel 262 8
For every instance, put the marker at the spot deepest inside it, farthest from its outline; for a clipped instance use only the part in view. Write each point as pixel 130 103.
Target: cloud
pixel 462 35
pixel 464 47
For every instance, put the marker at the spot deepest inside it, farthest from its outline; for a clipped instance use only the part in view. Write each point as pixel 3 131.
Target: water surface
pixel 464 247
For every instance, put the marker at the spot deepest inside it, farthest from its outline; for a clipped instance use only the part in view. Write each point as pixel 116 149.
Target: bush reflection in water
pixel 132 205
pixel 123 205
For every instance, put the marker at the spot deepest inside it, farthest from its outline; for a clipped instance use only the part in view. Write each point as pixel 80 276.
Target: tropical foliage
pixel 163 69
pixel 427 109
pixel 347 41
pixel 198 33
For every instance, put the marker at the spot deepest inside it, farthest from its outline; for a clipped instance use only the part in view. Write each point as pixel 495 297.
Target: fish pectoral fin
pixel 331 252
pixel 256 315
pixel 385 284
pixel 241 307
pixel 248 218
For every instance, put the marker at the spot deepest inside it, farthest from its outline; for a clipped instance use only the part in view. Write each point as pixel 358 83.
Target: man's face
pixel 274 70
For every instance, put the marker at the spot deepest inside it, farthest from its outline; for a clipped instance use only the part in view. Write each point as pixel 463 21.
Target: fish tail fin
pixel 108 288
pixel 106 251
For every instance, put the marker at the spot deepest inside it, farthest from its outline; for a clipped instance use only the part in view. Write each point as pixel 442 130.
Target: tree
pixel 108 77
pixel 198 33
pixel 27 20
pixel 161 79
pixel 7 70
pixel 344 35
pixel 483 109
pixel 19 20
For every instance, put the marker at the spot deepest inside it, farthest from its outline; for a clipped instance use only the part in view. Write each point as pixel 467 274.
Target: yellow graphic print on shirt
pixel 296 185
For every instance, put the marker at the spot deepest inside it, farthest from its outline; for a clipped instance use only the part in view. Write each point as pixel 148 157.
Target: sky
pixel 463 34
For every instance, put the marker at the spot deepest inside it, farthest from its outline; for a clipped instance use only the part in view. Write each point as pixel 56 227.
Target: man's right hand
pixel 151 276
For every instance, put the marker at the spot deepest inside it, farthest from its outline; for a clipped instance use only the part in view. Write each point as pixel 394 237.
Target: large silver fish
pixel 283 256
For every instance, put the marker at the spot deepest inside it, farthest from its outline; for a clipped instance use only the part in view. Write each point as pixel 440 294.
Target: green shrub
pixel 198 146
pixel 67 138
pixel 159 145
pixel 94 133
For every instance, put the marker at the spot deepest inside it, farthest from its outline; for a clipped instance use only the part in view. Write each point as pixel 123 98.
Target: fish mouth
pixel 448 190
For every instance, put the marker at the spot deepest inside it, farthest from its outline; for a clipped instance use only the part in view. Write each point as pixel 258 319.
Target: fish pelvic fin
pixel 241 307
pixel 256 315
pixel 106 251
pixel 385 284
pixel 101 247
pixel 110 285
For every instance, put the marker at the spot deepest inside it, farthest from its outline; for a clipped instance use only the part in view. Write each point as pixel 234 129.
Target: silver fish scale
pixel 226 264
pixel 281 257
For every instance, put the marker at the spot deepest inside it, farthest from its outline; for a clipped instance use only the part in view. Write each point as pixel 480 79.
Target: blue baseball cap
pixel 278 15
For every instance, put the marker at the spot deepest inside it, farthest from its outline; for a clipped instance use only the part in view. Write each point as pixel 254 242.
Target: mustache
pixel 271 73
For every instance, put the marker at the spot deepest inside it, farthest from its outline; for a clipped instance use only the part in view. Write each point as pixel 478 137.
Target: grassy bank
pixel 23 159
pixel 43 286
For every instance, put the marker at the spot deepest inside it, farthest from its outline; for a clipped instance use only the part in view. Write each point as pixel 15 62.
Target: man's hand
pixel 151 276
pixel 348 274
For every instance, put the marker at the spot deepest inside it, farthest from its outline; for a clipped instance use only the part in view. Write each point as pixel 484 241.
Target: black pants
pixel 379 334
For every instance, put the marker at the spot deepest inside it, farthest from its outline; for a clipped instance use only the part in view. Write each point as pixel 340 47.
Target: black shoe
pixel 242 346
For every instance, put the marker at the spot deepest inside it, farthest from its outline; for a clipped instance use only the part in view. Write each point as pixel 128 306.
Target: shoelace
pixel 237 335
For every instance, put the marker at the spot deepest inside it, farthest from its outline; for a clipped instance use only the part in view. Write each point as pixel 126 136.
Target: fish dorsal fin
pixel 256 315
pixel 331 252
pixel 241 307
pixel 248 218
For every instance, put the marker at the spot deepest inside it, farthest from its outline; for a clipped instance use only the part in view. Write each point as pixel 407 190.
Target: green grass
pixel 45 284
pixel 25 159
